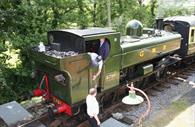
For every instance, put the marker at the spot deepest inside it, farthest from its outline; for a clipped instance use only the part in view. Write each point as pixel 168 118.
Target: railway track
pixel 174 77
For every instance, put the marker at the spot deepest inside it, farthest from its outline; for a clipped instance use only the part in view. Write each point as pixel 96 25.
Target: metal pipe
pixel 132 88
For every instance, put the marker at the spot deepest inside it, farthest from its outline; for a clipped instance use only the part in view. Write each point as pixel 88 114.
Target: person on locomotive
pixel 93 108
pixel 104 48
pixel 96 61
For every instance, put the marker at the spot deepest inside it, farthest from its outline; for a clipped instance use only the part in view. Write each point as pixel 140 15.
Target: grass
pixel 164 117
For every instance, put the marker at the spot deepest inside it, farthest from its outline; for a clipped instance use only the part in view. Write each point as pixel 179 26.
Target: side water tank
pixel 134 28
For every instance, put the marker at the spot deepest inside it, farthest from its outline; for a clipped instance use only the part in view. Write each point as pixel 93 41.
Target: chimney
pixel 159 23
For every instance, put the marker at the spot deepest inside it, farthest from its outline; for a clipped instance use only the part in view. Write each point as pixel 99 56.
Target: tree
pixel 24 23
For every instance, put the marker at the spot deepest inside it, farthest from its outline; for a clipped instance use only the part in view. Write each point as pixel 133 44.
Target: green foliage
pixel 24 23
pixel 126 10
pixel 174 8
pixel 177 11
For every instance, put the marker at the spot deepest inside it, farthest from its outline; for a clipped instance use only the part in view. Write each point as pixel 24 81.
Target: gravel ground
pixel 161 100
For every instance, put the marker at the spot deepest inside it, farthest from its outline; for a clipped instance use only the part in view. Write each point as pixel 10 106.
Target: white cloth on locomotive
pixel 92 105
pixel 96 60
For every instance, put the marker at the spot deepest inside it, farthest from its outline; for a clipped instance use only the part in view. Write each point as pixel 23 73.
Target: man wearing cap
pixel 96 61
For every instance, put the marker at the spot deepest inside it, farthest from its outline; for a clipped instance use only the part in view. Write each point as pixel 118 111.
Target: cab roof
pixel 187 19
pixel 86 32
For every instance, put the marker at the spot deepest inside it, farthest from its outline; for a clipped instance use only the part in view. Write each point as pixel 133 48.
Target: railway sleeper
pixel 182 76
pixel 174 82
pixel 165 85
pixel 187 73
pixel 159 89
pixel 151 93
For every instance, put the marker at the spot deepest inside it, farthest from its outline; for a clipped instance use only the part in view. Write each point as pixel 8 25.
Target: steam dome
pixel 134 28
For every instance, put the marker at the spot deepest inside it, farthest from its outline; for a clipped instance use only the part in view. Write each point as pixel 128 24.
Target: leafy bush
pixel 24 23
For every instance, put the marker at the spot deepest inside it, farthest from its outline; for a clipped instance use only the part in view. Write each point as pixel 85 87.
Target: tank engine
pixel 64 71
pixel 66 74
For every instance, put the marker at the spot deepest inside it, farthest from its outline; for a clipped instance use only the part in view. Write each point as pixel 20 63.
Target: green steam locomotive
pixel 142 55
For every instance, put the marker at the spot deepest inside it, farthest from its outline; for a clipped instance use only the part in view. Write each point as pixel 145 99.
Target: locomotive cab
pixel 184 25
pixel 65 65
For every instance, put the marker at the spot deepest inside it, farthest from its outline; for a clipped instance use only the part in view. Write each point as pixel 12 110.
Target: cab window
pixel 92 46
pixel 168 28
pixel 192 36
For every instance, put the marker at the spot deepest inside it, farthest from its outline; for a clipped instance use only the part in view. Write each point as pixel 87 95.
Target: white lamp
pixel 132 98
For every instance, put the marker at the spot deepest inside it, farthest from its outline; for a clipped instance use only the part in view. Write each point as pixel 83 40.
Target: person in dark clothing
pixel 104 48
